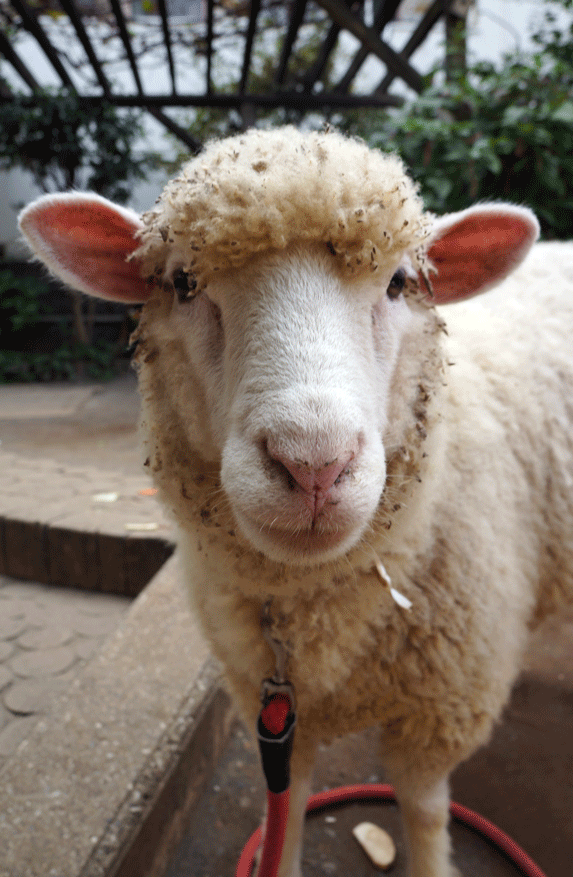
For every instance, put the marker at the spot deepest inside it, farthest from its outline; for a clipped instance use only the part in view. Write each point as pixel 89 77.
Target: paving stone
pixel 14 607
pixel 103 604
pixel 6 649
pixel 46 638
pixel 40 401
pixel 46 615
pixel 87 646
pixel 10 587
pixel 44 662
pixel 12 627
pixel 5 716
pixel 93 625
pixel 14 732
pixel 5 677
pixel 33 695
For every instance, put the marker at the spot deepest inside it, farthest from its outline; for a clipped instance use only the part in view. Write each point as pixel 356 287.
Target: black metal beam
pixel 384 14
pixel 210 11
pixel 429 19
pixel 290 99
pixel 370 39
pixel 16 62
pixel 119 17
pixel 167 39
pixel 295 21
pixel 314 73
pixel 71 11
pixel 251 30
pixel 30 23
pixel 181 133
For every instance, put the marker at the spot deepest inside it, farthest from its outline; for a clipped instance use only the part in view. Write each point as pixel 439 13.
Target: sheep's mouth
pixel 309 540
pixel 303 545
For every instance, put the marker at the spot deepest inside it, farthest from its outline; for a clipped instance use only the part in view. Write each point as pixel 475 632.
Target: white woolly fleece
pixel 265 190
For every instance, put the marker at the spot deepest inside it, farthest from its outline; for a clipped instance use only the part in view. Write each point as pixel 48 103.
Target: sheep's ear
pixel 85 240
pixel 476 249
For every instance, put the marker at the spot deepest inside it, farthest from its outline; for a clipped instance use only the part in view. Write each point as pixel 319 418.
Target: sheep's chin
pixel 303 547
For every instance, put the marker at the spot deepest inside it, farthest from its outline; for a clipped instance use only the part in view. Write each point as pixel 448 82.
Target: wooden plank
pixel 185 136
pixel 3 563
pixel 433 13
pixel 112 564
pixel 25 550
pixel 251 30
pixel 291 99
pixel 66 557
pixel 370 39
pixel 122 27
pixel 384 14
pixel 312 75
pixel 143 558
pixel 16 62
pixel 296 18
pixel 210 10
pixel 70 10
pixel 167 40
pixel 30 23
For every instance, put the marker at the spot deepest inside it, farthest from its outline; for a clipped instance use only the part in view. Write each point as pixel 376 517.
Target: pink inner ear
pixel 86 242
pixel 477 252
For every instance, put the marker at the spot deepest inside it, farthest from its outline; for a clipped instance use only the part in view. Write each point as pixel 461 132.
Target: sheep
pixel 389 492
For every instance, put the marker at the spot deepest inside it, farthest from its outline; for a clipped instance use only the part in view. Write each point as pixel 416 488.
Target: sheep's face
pixel 299 378
pixel 296 365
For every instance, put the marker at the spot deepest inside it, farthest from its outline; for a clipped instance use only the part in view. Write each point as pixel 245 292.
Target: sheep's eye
pixel 184 284
pixel 397 284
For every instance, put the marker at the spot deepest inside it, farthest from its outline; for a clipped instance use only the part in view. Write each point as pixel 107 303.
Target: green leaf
pixel 564 113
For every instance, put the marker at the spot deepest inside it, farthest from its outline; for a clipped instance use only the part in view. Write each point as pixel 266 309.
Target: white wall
pixel 495 28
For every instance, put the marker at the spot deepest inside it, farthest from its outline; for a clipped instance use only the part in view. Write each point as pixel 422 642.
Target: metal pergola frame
pixel 300 93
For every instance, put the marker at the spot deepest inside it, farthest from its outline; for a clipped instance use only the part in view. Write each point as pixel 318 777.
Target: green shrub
pixel 20 303
pixel 24 353
pixel 65 143
pixel 492 133
pixel 67 362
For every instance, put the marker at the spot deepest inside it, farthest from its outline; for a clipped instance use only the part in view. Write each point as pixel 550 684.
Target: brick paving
pixel 46 634
pixel 77 541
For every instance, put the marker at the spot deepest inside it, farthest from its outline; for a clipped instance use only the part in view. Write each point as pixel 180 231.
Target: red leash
pixel 275 729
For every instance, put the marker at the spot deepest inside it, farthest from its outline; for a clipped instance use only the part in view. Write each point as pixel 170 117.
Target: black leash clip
pixel 276 748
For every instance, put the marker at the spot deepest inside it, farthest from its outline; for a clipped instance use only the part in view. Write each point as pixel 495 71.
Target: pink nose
pixel 316 481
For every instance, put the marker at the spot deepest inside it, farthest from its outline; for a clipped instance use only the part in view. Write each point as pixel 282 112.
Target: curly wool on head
pixel 266 190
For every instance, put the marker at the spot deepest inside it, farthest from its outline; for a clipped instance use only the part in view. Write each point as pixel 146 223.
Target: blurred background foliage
pixel 65 145
pixel 47 334
pixel 492 132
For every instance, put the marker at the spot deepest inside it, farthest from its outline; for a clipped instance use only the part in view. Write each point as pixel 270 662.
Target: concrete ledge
pixel 104 783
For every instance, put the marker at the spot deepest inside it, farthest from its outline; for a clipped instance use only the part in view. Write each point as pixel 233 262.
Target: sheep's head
pixel 287 342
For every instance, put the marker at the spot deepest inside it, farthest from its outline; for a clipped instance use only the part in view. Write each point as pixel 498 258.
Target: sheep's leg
pixel 425 817
pixel 292 850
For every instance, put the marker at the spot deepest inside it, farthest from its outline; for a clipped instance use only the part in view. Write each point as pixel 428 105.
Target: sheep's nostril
pixel 315 479
pixel 290 479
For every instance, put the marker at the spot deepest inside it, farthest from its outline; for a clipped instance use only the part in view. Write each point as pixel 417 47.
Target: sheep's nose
pixel 316 481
